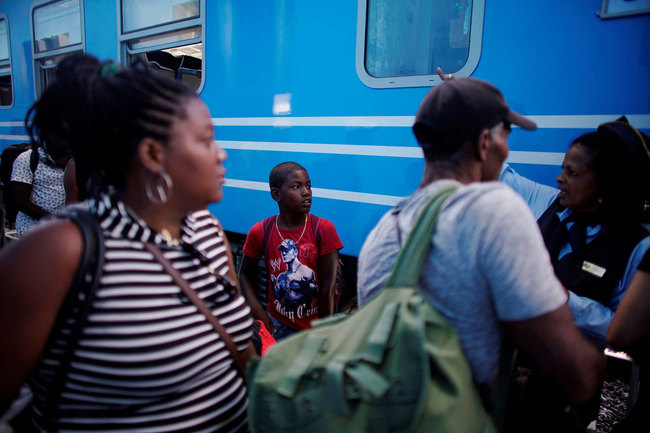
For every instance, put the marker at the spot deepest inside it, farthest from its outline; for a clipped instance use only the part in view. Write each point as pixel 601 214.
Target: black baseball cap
pixel 459 109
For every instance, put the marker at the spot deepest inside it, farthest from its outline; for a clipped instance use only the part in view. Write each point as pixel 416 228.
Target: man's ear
pixel 275 193
pixel 151 154
pixel 483 144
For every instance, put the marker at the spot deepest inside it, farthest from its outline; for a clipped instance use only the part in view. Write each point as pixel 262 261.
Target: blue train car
pixel 334 85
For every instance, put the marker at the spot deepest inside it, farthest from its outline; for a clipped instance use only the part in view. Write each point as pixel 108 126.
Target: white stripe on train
pixel 521 157
pixel 641 121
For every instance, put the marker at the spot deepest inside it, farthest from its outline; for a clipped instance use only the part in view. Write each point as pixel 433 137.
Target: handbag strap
pixel 201 306
pixel 78 300
pixel 408 264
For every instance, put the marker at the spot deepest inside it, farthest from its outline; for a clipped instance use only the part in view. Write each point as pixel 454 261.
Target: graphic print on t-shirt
pixel 295 289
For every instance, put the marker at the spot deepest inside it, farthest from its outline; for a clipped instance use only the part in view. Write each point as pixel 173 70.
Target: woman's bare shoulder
pixel 46 257
pixel 37 271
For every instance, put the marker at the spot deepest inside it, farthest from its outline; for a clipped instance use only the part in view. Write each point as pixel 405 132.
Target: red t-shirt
pixel 293 272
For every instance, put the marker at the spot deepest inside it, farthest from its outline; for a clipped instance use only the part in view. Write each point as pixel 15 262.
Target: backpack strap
pixel 339 282
pixel 263 277
pixel 267 226
pixel 33 159
pixel 79 298
pixel 408 264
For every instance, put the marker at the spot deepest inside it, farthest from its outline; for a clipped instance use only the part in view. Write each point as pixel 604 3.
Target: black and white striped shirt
pixel 148 360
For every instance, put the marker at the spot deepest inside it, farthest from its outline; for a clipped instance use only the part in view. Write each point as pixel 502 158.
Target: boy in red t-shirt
pixel 301 255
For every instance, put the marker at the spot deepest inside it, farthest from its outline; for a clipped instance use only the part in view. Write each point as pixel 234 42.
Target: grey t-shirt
pixel 488 265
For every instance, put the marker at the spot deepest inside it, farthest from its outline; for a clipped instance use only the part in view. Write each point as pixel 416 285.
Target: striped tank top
pixel 147 359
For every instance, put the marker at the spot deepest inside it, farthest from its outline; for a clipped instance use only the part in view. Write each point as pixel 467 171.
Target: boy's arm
pixel 326 281
pixel 248 282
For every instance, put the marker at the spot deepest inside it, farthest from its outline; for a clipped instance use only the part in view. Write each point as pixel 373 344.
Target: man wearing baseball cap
pixel 488 271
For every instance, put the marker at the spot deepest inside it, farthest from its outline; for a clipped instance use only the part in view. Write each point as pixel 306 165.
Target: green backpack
pixel 394 366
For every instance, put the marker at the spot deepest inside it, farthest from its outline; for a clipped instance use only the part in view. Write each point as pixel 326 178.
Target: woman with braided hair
pixel 137 354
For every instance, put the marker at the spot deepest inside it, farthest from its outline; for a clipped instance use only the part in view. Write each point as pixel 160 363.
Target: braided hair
pixel 115 108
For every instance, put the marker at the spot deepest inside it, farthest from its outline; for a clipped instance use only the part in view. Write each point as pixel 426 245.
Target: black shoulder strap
pixel 33 159
pixel 93 253
pixel 79 299
pixel 267 226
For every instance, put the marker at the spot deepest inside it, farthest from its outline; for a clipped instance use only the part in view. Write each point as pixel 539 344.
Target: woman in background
pixel 591 223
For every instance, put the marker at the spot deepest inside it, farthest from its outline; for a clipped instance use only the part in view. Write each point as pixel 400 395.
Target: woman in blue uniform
pixel 592 222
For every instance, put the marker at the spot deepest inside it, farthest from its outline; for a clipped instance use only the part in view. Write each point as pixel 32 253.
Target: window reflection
pixel 414 37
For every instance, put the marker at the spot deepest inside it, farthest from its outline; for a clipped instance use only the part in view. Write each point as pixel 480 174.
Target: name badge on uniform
pixel 593 269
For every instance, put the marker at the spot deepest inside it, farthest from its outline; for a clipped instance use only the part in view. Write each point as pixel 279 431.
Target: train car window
pixel 623 8
pixel 149 13
pixel 57 25
pixel 400 43
pixel 168 35
pixel 57 31
pixel 6 87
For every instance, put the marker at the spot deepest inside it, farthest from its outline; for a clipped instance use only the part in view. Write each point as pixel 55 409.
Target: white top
pixel 48 192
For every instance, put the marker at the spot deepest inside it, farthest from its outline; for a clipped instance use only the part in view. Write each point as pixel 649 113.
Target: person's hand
pixel 443 76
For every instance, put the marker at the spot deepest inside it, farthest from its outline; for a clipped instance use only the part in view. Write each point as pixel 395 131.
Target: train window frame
pixel 616 9
pixel 166 37
pixel 47 60
pixel 424 80
pixel 5 66
pixel 143 27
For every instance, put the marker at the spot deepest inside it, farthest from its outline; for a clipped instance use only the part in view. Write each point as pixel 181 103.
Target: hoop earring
pixel 158 194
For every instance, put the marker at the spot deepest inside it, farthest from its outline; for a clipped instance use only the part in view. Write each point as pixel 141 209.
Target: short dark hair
pixel 436 147
pixel 280 172
pixel 439 148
